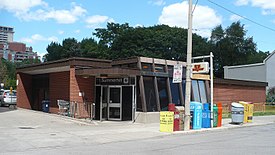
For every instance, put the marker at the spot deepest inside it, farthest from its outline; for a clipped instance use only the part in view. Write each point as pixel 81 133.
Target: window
pixel 170 71
pixel 139 106
pixel 163 95
pixel 147 67
pixel 175 93
pixel 159 68
pixel 202 91
pixel 199 91
pixel 150 95
pixel 195 91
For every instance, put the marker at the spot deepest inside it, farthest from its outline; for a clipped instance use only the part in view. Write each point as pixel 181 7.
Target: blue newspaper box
pixel 206 116
pixel 196 108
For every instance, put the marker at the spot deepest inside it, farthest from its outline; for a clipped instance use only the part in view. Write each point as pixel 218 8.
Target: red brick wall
pixel 231 93
pixel 24 91
pixel 80 84
pixel 58 89
pixel 17 47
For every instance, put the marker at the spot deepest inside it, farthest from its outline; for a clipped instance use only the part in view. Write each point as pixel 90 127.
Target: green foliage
pixel 8 71
pixel 231 47
pixel 160 41
pixel 3 71
pixel 270 97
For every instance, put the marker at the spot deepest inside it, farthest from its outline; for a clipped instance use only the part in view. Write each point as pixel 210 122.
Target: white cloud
pixel 60 16
pixel 38 37
pixel 235 18
pixel 96 20
pixel 204 18
pixel 20 5
pixel 157 2
pixel 267 6
pixel 241 2
pixel 77 31
pixel 26 11
pixel 60 32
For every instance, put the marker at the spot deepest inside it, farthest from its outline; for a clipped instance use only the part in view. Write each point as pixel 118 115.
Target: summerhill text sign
pixel 115 81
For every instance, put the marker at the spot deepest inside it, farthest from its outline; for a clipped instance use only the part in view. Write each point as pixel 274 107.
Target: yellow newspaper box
pixel 245 105
pixel 166 121
pixel 250 112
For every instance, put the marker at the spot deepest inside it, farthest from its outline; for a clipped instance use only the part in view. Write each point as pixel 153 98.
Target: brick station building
pixel 135 89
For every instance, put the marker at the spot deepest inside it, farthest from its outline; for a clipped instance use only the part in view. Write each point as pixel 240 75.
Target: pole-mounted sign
pixel 201 67
pixel 177 74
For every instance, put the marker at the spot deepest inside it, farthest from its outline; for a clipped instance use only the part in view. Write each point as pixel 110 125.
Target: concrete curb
pixel 225 126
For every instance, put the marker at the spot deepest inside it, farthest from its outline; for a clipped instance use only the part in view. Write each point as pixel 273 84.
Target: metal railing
pixel 76 109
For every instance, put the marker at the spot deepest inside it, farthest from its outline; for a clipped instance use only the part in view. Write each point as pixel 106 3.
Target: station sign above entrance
pixel 201 67
pixel 115 81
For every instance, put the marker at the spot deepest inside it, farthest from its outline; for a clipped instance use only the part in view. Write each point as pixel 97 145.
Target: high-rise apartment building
pixel 14 51
pixel 6 34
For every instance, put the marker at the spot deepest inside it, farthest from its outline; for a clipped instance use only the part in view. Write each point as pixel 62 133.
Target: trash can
pixel 219 106
pixel 196 107
pixel 237 113
pixel 206 116
pixel 250 112
pixel 215 115
pixel 176 126
pixel 45 106
pixel 172 108
pixel 245 105
pixel 180 109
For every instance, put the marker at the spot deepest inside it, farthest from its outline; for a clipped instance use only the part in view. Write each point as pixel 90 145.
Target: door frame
pixel 118 105
pixel 101 102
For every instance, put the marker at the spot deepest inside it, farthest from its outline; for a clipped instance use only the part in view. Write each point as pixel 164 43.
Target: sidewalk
pixel 57 129
pixel 34 130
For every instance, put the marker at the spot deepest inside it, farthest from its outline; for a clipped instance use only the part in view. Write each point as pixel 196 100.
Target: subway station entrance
pixel 115 98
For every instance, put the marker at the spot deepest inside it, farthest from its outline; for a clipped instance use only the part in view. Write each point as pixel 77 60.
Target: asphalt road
pixel 31 133
pixel 250 140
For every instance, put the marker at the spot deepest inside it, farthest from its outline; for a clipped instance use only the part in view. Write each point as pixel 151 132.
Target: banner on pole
pixel 177 74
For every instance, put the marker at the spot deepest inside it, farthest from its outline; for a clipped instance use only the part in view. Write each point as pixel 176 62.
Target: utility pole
pixel 188 70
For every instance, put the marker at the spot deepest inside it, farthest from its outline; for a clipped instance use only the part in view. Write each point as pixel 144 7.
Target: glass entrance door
pixel 104 103
pixel 114 106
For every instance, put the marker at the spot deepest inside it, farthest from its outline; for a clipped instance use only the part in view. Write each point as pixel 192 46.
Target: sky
pixel 39 22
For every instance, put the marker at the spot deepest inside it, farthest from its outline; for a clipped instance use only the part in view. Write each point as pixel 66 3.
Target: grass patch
pixel 264 113
pixel 269 110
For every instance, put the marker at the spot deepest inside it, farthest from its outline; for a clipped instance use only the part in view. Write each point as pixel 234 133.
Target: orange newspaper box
pixel 219 105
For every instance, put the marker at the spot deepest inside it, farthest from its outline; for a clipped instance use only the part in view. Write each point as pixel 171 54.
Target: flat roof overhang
pixel 239 82
pixel 115 71
pixel 62 65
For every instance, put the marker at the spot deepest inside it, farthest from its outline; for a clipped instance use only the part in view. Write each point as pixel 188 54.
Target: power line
pixel 259 24
pixel 195 6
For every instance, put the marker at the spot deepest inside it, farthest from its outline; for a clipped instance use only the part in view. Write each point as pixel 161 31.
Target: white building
pixel 261 72
pixel 6 34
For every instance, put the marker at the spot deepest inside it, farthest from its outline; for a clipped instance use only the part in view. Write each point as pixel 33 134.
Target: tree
pixel 8 73
pixel 3 71
pixel 160 41
pixel 107 36
pixel 70 48
pixel 55 52
pixel 90 48
pixel 231 47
